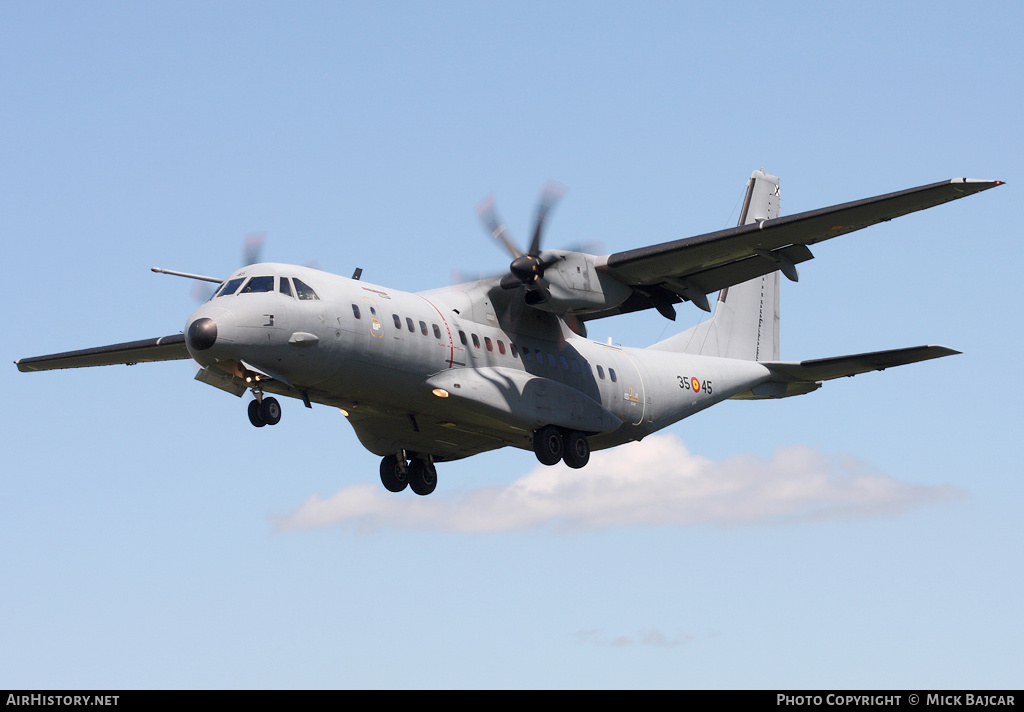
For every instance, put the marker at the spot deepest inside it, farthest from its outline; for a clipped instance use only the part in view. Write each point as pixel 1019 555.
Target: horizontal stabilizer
pixel 164 348
pixel 825 369
pixel 794 378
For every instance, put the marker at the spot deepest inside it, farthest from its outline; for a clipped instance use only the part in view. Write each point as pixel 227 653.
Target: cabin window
pixel 611 374
pixel 398 321
pixel 501 347
pixel 488 343
pixel 462 337
pixel 437 331
pixel 304 291
pixel 286 287
pixel 408 323
pixel 355 311
pixel 514 350
pixel 258 284
pixel 423 328
pixel 576 366
pixel 526 354
pixel 551 360
pixel 476 341
pixel 600 371
pixel 230 286
pixel 565 363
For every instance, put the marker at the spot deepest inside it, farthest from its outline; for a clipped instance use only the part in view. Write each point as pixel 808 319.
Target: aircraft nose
pixel 202 334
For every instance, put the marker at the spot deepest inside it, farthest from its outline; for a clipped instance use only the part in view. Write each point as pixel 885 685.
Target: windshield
pixel 258 284
pixel 229 287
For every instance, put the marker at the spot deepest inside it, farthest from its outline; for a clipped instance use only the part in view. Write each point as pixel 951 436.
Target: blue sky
pixel 152 538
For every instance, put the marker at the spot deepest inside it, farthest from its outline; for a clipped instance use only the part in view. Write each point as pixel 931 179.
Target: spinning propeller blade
pixel 526 269
pixel 252 248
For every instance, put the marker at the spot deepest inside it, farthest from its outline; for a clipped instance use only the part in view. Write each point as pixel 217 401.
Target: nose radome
pixel 202 334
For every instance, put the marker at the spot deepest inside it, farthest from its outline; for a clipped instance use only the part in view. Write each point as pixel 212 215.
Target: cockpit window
pixel 304 291
pixel 286 287
pixel 259 284
pixel 229 287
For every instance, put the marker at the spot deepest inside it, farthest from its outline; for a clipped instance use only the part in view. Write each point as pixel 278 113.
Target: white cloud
pixel 655 482
pixel 651 638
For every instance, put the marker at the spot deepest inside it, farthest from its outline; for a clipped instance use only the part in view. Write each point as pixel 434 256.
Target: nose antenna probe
pixel 215 280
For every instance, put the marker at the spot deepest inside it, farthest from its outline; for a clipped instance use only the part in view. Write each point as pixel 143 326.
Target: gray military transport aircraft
pixel 440 375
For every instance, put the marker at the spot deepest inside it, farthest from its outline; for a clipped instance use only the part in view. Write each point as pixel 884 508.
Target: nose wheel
pixel 264 411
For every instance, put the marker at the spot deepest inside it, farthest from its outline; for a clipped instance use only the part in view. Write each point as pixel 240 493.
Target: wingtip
pixel 23 367
pixel 981 183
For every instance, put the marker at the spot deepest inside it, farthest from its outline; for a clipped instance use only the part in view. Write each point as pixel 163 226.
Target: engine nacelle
pixel 574 285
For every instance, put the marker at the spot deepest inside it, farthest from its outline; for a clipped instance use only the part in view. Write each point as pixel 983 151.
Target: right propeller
pixel 526 269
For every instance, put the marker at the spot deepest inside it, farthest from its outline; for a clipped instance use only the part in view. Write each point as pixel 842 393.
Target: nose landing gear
pixel 264 411
pixel 418 473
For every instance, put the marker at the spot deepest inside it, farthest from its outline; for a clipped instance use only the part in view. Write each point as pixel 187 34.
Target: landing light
pixel 440 392
pixel 343 412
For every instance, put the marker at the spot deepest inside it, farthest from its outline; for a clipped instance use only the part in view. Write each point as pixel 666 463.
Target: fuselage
pixel 444 371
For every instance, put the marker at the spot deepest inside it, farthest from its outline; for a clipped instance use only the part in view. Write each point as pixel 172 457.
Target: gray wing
pixel 164 348
pixel 706 263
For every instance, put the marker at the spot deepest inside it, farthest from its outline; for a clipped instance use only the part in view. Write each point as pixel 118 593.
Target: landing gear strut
pixel 418 473
pixel 552 444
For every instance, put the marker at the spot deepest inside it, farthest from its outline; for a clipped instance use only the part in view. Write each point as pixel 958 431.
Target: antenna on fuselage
pixel 204 278
pixel 358 273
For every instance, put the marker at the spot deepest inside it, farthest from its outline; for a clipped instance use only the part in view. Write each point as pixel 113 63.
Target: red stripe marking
pixel 451 342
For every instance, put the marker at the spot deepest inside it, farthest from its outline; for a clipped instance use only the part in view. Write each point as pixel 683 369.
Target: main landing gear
pixel 419 474
pixel 264 411
pixel 552 444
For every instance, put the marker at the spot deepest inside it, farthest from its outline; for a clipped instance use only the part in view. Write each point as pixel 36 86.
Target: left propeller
pixel 526 269
pixel 252 248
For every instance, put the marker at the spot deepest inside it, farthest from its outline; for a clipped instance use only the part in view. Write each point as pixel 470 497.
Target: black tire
pixel 548 445
pixel 422 477
pixel 270 411
pixel 393 477
pixel 577 450
pixel 254 414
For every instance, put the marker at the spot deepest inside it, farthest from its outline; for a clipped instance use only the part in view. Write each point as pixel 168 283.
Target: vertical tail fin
pixel 746 320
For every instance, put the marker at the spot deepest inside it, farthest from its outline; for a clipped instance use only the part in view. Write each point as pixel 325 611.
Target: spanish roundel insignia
pixel 695 384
